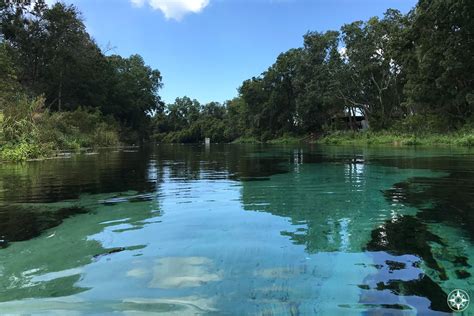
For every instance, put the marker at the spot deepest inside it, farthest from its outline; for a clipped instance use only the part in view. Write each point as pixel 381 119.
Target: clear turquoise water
pixel 238 230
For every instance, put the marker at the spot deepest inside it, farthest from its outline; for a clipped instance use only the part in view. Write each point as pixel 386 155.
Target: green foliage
pixel 411 141
pixel 8 80
pixel 186 121
pixel 437 58
pixel 317 81
pixel 410 73
pixel 246 140
pixel 47 51
pixel 19 115
pixel 23 151
pixel 286 139
pixel 79 129
pixel 401 72
pixel 465 138
pixel 28 131
pixel 422 124
pixel 133 93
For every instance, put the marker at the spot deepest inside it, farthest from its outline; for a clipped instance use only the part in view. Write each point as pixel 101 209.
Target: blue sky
pixel 206 48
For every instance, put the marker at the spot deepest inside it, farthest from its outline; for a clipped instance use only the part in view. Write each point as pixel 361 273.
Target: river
pixel 238 230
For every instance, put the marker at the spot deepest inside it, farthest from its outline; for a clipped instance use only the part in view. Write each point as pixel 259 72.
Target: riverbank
pixel 25 151
pixel 287 139
pixel 465 138
pixel 28 132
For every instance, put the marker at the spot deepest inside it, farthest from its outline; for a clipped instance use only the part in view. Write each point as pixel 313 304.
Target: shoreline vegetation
pixel 401 79
pixel 465 139
pixel 409 75
pixel 383 138
pixel 31 152
pixel 60 91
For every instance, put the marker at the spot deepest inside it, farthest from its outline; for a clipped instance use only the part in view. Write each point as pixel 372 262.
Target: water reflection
pixel 238 230
pixel 52 264
pixel 335 204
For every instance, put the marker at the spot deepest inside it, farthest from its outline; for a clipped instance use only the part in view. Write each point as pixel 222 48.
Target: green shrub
pixel 246 140
pixel 23 151
pixel 412 141
pixel 104 136
pixel 19 115
pixel 266 136
pixel 27 131
pixel 423 124
pixel 78 129
pixel 466 140
pixel 286 139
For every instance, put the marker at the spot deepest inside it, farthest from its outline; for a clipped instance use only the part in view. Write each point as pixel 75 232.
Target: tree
pixel 47 52
pixel 372 69
pixel 237 119
pixel 54 55
pixel 182 113
pixel 8 81
pixel 255 96
pixel 316 101
pixel 280 81
pixel 72 61
pixel 133 92
pixel 439 59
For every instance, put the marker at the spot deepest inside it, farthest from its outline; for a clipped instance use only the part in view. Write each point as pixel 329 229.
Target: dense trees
pixel 413 70
pixel 318 76
pixel 187 121
pixel 355 71
pixel 439 59
pixel 47 51
pixel 372 69
pixel 132 93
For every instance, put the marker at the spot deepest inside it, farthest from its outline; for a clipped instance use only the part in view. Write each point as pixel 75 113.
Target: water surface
pixel 238 229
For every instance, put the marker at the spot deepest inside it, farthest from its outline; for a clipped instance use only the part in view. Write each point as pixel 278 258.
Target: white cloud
pixel 174 9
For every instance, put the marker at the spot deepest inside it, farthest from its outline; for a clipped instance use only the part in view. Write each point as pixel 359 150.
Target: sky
pixel 205 49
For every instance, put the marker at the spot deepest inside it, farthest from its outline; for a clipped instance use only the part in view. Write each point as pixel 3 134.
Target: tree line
pixel 60 90
pixel 409 71
pixel 51 67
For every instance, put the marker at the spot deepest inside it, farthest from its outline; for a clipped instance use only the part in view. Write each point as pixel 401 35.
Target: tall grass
pixel 460 138
pixel 29 131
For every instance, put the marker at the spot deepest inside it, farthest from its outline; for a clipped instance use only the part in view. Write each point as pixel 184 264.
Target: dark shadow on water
pixel 19 223
pixel 446 200
pixel 423 286
pixel 407 235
